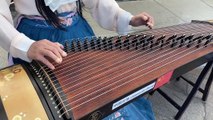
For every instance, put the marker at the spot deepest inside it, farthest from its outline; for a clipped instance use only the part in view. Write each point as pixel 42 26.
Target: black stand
pixel 196 87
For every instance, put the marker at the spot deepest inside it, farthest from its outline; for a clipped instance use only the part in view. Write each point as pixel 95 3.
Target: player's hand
pixel 45 50
pixel 142 19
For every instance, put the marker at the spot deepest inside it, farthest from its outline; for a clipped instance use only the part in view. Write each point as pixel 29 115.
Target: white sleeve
pixel 109 15
pixel 16 43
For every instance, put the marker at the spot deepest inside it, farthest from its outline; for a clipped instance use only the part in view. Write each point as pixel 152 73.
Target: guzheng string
pixel 71 66
pixel 59 72
pixel 190 27
pixel 122 61
pixel 66 63
pixel 153 60
pixel 71 56
pixel 188 52
pixel 115 63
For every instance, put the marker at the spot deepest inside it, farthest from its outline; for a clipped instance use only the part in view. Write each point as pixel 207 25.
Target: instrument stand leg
pixel 193 91
pixel 204 91
pixel 196 87
pixel 208 86
pixel 191 83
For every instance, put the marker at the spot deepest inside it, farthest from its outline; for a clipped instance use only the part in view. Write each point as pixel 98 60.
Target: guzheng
pixel 100 75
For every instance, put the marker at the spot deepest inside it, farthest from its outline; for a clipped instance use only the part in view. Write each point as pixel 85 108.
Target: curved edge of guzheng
pixel 19 98
pixel 45 83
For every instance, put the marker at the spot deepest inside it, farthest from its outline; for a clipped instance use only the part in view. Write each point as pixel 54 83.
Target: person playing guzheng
pixel 43 25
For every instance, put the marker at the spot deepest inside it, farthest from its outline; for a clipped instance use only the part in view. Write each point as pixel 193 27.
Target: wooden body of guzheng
pixel 101 75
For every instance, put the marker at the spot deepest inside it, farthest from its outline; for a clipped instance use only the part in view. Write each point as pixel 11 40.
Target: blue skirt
pixel 37 29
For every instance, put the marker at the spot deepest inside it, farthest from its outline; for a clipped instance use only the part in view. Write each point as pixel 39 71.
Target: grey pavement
pixel 166 13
